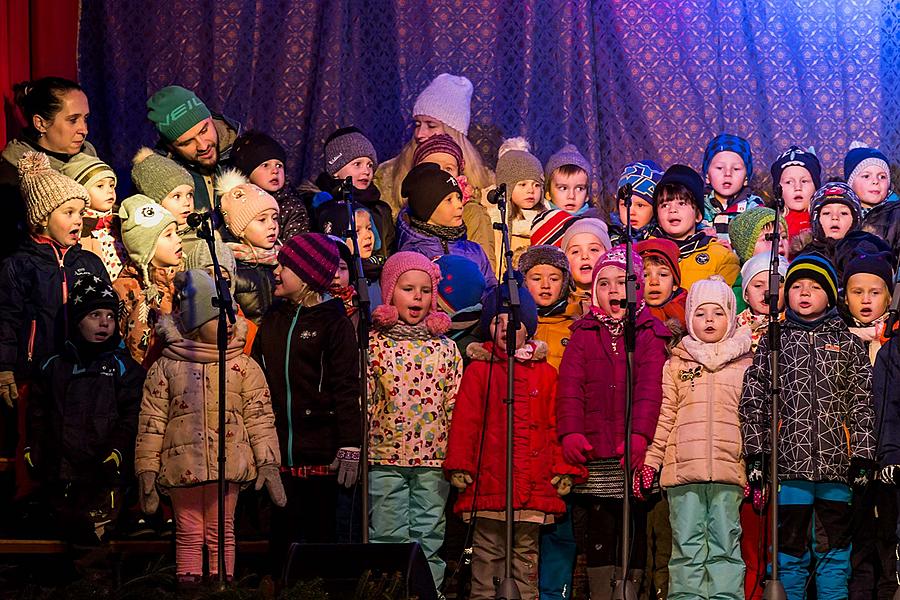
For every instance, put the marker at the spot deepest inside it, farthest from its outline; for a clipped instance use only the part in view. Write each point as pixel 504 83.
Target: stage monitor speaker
pixel 341 566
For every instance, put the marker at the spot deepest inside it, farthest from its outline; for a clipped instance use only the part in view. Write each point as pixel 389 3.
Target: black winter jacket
pixel 254 289
pixel 311 360
pixel 886 398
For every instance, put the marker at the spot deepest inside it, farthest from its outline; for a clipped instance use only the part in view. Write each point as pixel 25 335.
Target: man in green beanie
pixel 192 136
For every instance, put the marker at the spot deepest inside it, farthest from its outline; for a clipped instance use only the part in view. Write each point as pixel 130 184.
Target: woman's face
pixel 67 131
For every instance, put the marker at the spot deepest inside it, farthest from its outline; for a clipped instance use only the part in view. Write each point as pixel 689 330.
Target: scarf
pixel 557 308
pixel 442 232
pixel 403 332
pixel 692 244
pixel 346 294
pixel 716 355
pixel 616 327
pixel 109 248
pixel 805 324
pixel 253 255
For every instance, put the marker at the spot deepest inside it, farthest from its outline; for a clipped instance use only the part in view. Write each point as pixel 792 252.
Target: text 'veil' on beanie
pixel 173 110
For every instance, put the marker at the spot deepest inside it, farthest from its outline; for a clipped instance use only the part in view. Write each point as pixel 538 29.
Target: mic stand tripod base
pixel 774 590
pixel 624 590
pixel 508 590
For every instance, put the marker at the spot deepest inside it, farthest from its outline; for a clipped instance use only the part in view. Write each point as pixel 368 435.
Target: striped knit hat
pixel 313 257
pixel 550 226
pixel 818 268
pixel 87 170
pixel 443 143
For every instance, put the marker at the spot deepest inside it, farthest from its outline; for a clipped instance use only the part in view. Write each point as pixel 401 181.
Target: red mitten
pixel 642 483
pixel 576 449
pixel 638 451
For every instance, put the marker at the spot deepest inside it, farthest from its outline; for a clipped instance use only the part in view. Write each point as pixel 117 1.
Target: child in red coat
pixel 476 455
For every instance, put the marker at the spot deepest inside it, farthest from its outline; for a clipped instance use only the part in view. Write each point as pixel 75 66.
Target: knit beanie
pixel 759 263
pixel 448 98
pixel 713 290
pixel 346 145
pixel 155 175
pixel 549 227
pixel 664 249
pixel 313 257
pixel 443 143
pixel 796 157
pixel 595 227
pixel 496 302
pixel 745 228
pixel 860 158
pixel 567 155
pixel 879 264
pixel 332 218
pixel 816 267
pixel 90 293
pixel 425 187
pixel 87 170
pixel 684 176
pixel 45 189
pixel 199 258
pixel 726 142
pixel 143 221
pixel 252 149
pixel 241 201
pixel 174 110
pixel 386 315
pixel 515 163
pixel 462 284
pixel 616 257
pixel 643 176
pixel 194 293
pixel 547 255
pixel 831 193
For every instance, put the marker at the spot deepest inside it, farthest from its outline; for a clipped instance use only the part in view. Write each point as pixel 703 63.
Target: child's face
pixel 269 175
pixel 807 298
pixel 64 224
pixel 610 288
pixel 180 202
pixel 544 282
pixel 168 248
pixel 98 325
pixel 412 296
pixel 764 245
pixel 426 127
pixel 867 297
pixel 583 252
pixel 225 275
pixel 498 333
pixel 526 194
pixel 755 295
pixel 262 231
pixel 641 212
pixel 103 194
pixel 365 234
pixel 208 333
pixel 289 286
pixel 659 283
pixel 677 217
pixel 449 213
pixel 871 185
pixel 836 220
pixel 710 323
pixel 797 188
pixel 445 161
pixel 727 173
pixel 569 192
pixel 342 275
pixel 361 170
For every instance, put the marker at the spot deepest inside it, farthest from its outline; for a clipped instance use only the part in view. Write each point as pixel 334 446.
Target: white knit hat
pixel 713 290
pixel 449 100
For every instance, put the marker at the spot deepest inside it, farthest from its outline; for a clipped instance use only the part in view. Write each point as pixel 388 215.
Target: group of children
pixel 105 296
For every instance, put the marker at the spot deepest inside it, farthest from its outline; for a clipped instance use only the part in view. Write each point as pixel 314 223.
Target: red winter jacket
pixel 590 395
pixel 537 456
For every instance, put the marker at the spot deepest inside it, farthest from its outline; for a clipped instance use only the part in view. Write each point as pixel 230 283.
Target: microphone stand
pixel 624 589
pixel 774 589
pixel 224 303
pixel 507 589
pixel 362 338
pixel 893 312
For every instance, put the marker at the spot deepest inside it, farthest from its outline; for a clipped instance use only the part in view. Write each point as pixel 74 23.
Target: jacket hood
pixel 532 351
pixel 16 148
pixel 180 348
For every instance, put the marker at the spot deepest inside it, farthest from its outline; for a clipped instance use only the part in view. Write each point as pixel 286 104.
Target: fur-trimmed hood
pixel 532 350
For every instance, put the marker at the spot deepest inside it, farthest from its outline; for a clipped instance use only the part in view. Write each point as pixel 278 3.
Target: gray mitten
pixel 268 476
pixel 149 497
pixel 346 463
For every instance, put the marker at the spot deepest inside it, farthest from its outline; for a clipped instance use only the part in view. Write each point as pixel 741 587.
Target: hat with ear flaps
pixel 386 315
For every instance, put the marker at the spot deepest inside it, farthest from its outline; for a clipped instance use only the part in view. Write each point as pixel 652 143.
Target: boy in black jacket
pixel 307 348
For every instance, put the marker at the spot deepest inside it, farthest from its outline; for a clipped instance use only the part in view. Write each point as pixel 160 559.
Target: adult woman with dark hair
pixel 56 112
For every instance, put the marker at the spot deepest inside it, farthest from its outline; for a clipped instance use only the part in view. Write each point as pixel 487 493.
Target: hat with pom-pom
pixel 386 315
pixel 155 175
pixel 496 302
pixel 516 163
pixel 241 201
pixel 45 189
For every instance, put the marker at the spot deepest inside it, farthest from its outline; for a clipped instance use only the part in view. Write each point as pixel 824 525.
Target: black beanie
pixel 252 149
pixel 686 177
pixel 425 187
pixel 90 293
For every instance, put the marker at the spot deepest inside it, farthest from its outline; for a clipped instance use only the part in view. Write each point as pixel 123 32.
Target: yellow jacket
pixel 710 259
pixel 554 331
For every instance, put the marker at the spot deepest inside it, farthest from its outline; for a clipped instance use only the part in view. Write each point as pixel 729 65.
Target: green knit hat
pixel 143 221
pixel 174 110
pixel 155 175
pixel 745 228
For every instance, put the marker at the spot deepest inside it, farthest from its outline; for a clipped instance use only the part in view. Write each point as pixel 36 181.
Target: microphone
pixel 624 193
pixel 498 194
pixel 893 312
pixel 347 184
pixel 196 219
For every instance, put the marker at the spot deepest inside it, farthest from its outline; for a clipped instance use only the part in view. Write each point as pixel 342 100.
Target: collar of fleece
pixel 531 351
pixel 179 347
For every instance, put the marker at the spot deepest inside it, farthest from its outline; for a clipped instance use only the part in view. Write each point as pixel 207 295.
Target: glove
pixel 757 490
pixel 576 449
pixel 8 390
pixel 346 463
pixel 110 466
pixel 638 451
pixel 460 479
pixel 268 475
pixel 563 484
pixel 642 483
pixel 891 474
pixel 149 497
pixel 860 475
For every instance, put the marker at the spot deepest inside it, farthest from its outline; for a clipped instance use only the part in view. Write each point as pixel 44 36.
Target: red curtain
pixel 37 38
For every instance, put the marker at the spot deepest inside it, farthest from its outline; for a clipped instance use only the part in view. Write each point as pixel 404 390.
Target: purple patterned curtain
pixel 621 79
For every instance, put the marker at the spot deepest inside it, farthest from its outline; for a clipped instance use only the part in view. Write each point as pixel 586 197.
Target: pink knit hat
pixel 241 201
pixel 615 257
pixel 386 316
pixel 441 142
